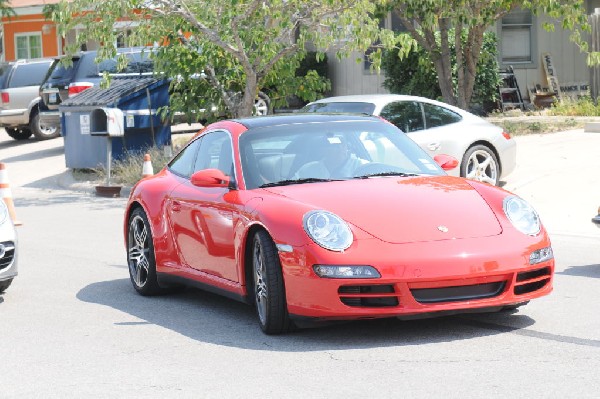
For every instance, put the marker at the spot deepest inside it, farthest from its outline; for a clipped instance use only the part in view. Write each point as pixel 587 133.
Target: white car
pixel 486 153
pixel 8 249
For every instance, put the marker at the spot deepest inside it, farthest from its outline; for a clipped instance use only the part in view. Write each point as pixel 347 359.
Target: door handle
pixel 176 206
pixel 433 146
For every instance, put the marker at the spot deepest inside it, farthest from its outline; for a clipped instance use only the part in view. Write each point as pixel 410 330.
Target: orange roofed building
pixel 28 34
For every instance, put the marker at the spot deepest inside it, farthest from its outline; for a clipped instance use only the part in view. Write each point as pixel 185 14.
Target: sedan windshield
pixel 319 152
pixel 338 107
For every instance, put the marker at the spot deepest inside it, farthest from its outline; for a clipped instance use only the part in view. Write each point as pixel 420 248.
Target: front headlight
pixel 328 230
pixel 522 215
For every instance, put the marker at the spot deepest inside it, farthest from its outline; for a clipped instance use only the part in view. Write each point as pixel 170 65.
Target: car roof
pixel 289 119
pixel 380 100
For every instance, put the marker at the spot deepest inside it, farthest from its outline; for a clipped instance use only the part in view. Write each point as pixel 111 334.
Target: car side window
pixel 29 74
pixel 439 116
pixel 216 152
pixel 183 163
pixel 406 115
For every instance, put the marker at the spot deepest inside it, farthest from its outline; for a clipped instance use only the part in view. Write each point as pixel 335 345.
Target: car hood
pixel 403 210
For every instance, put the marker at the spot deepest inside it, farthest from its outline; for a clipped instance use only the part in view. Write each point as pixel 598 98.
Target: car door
pixel 202 217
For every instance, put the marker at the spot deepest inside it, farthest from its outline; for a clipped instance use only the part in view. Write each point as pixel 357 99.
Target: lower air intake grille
pixel 8 248
pixel 370 296
pixel 532 280
pixel 459 293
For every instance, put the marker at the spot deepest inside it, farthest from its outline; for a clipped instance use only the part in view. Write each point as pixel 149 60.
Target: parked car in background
pixel 19 98
pixel 8 248
pixel 331 217
pixel 65 81
pixel 596 219
pixel 486 153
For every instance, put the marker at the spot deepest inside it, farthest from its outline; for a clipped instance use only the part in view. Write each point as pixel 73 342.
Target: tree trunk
pixel 443 62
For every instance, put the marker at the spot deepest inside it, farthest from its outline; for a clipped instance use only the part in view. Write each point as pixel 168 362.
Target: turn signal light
pixel 506 135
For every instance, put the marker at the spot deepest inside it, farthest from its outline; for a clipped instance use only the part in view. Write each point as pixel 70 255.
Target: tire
pixel 5 284
pixel 18 133
pixel 262 105
pixel 480 163
pixel 268 286
pixel 140 255
pixel 41 132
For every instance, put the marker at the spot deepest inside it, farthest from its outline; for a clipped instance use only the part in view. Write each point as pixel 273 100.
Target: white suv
pixel 19 99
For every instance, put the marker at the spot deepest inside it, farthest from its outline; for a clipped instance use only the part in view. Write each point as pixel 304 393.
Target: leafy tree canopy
pixel 222 52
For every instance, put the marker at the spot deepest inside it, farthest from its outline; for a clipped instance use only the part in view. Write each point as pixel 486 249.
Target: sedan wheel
pixel 140 254
pixel 269 290
pixel 5 284
pixel 480 163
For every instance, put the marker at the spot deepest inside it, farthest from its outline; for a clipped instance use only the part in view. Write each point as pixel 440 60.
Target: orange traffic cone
pixel 147 169
pixel 7 194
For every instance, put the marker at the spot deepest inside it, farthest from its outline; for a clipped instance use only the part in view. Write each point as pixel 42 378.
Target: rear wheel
pixel 269 289
pixel 18 133
pixel 5 284
pixel 480 163
pixel 42 132
pixel 140 254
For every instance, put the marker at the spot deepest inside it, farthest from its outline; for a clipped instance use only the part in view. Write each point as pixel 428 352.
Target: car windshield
pixel 337 107
pixel 302 153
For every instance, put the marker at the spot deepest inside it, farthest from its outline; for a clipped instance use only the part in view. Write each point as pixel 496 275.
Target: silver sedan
pixel 8 248
pixel 486 153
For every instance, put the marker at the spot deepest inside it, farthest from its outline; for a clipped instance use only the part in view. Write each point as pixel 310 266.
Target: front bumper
pixel 8 251
pixel 450 276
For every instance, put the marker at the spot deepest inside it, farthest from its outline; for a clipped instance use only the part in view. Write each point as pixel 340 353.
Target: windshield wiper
pixel 296 181
pixel 401 174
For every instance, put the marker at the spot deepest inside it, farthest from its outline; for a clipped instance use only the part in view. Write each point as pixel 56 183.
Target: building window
pixel 517 38
pixel 391 22
pixel 28 45
pixel 122 38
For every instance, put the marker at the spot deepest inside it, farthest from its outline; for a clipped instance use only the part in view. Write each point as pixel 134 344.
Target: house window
pixel 122 37
pixel 391 22
pixel 517 38
pixel 28 45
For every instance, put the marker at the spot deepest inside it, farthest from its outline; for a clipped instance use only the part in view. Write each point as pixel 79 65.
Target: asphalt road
pixel 71 325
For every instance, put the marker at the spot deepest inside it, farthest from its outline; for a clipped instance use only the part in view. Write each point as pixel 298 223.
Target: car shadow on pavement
pixel 210 318
pixel 35 155
pixel 582 271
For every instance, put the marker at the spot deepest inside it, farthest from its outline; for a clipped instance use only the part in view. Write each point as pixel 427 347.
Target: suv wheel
pixel 39 131
pixel 18 133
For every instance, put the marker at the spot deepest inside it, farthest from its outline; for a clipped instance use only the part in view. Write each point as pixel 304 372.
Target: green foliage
pixel 415 73
pixel 240 47
pixel 583 106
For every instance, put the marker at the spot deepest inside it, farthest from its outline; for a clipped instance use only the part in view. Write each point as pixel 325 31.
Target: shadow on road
pixel 35 155
pixel 582 271
pixel 210 318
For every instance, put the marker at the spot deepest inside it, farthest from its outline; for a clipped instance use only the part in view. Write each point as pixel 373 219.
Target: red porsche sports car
pixel 331 217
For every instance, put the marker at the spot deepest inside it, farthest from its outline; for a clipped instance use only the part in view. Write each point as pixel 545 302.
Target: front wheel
pixel 140 254
pixel 269 289
pixel 5 284
pixel 480 163
pixel 18 133
pixel 42 132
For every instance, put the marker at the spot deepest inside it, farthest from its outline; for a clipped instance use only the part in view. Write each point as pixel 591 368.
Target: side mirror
pixel 446 161
pixel 210 178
